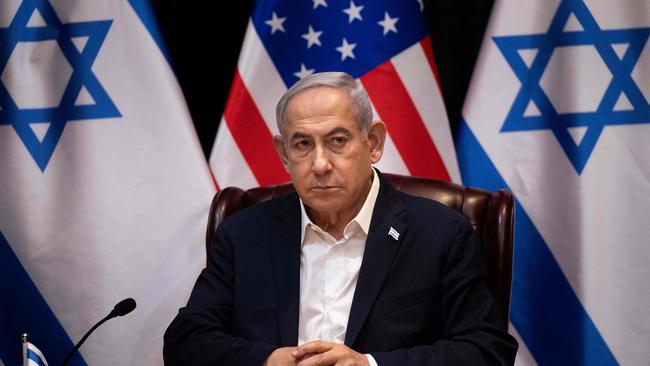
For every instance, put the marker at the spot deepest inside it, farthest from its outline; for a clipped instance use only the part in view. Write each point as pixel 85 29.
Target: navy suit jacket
pixel 420 299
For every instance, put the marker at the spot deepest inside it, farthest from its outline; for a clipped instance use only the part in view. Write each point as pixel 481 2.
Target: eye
pixel 302 144
pixel 339 140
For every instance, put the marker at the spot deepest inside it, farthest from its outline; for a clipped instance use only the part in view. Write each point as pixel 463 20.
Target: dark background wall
pixel 204 39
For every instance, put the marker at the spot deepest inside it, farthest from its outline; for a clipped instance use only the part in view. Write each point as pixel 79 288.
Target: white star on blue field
pixel 621 85
pixel 82 77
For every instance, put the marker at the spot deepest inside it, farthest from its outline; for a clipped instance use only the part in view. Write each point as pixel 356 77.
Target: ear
pixel 281 149
pixel 376 139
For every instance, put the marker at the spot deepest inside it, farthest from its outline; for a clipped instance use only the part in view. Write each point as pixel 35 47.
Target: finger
pixel 298 360
pixel 312 347
pixel 318 359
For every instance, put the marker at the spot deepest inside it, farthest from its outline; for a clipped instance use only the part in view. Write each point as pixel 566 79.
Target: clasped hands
pixel 316 353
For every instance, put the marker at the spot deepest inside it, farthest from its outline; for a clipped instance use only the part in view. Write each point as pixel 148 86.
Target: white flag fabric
pixel 385 44
pixel 104 190
pixel 558 113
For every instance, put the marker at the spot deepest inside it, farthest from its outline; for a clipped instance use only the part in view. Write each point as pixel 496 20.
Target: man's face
pixel 325 153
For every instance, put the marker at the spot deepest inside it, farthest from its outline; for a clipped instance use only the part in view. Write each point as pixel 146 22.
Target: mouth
pixel 324 188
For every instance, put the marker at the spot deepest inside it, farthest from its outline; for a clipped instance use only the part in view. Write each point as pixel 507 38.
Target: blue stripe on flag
pixel 31 355
pixel 545 311
pixel 146 14
pixel 23 309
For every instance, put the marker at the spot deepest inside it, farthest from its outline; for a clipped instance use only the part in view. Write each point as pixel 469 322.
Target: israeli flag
pixel 32 356
pixel 558 113
pixel 104 190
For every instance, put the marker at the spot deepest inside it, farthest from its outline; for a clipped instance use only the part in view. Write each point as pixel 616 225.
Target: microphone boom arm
pixel 122 308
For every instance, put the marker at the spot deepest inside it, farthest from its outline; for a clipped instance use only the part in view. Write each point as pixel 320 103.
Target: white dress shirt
pixel 329 270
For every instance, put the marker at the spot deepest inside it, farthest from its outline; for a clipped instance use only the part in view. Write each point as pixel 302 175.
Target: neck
pixel 332 222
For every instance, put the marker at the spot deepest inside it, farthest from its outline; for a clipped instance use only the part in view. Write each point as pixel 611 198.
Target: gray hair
pixel 337 80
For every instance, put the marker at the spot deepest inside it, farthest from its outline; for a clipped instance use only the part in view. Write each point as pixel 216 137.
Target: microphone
pixel 122 308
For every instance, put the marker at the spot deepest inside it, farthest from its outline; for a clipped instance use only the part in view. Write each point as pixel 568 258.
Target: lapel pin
pixel 392 232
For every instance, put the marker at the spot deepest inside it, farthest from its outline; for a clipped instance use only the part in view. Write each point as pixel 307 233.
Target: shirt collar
pixel 362 218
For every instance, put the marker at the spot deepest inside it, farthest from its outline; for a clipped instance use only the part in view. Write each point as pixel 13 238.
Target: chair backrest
pixel 491 214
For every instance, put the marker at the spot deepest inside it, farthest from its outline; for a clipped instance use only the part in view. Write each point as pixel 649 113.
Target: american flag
pixel 384 44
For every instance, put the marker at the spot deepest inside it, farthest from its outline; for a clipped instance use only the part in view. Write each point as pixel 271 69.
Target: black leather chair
pixel 491 214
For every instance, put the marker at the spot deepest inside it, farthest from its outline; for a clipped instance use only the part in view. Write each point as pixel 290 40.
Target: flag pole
pixel 24 337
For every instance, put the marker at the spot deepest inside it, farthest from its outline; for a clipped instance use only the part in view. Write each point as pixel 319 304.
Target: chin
pixel 323 202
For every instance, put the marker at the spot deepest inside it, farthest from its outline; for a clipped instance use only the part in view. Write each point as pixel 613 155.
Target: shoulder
pixel 436 231
pixel 260 214
pixel 429 214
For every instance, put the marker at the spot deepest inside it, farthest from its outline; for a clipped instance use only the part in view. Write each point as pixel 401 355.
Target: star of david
pixel 82 78
pixel 609 110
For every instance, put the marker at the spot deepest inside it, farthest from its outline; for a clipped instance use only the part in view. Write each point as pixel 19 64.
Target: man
pixel 348 271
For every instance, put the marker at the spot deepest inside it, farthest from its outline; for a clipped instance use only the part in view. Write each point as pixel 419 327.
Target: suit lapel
pixel 285 256
pixel 380 250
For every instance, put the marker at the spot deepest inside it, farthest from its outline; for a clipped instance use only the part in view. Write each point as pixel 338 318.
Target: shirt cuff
pixel 371 360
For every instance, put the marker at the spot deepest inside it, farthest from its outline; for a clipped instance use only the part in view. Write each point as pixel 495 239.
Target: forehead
pixel 318 105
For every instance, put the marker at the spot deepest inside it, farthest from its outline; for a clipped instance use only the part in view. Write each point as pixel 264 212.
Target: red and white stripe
pixel 404 92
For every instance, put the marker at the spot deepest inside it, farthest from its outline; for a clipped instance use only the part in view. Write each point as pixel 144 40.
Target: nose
pixel 321 163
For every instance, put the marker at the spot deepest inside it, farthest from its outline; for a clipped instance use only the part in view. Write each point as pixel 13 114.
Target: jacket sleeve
pixel 201 333
pixel 473 333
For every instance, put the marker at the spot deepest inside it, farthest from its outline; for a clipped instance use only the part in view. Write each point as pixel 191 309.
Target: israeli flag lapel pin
pixel 393 233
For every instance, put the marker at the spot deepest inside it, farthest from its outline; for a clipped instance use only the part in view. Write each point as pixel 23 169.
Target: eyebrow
pixel 337 130
pixel 298 135
pixel 334 131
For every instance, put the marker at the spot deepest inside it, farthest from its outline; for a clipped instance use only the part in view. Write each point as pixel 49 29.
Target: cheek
pixel 299 167
pixel 351 166
pixel 300 174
